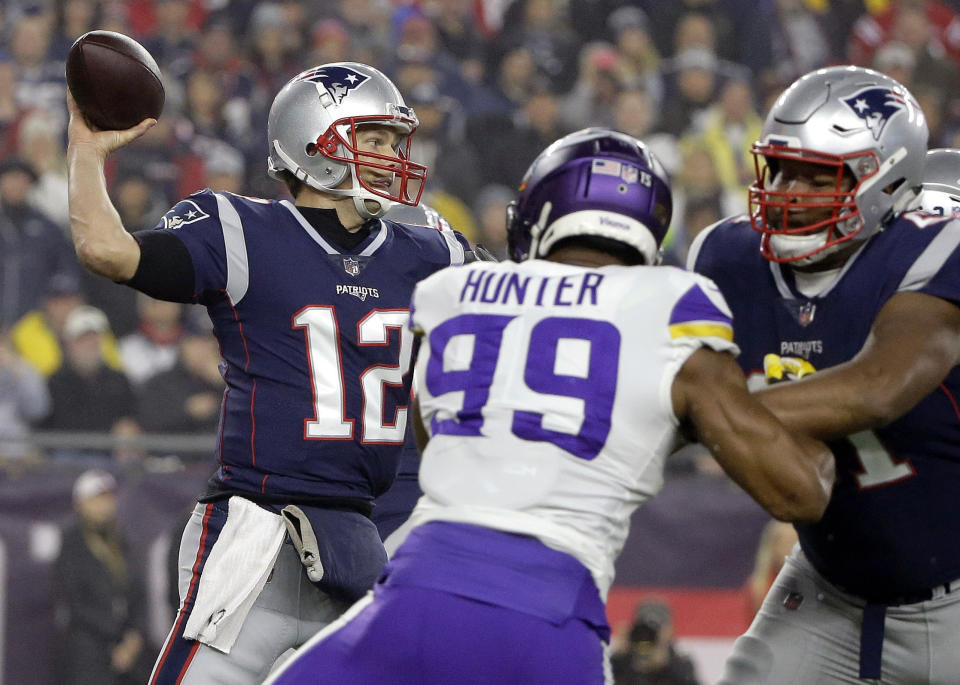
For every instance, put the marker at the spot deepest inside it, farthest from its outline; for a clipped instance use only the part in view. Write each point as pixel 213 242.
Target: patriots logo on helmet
pixel 875 106
pixel 338 81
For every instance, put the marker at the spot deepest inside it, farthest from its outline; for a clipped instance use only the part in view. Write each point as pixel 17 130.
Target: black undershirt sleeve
pixel 165 271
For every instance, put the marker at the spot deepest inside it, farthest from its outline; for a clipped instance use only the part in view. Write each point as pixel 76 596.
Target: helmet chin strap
pixel 360 204
pixel 360 198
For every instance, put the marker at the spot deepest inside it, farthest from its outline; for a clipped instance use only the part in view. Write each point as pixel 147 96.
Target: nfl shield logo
pixel 806 313
pixel 351 266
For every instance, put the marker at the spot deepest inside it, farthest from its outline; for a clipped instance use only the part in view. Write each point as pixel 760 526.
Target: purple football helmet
pixel 594 182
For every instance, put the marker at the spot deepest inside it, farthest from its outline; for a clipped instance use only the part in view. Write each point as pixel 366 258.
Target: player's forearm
pixel 913 345
pixel 788 475
pixel 830 405
pixel 101 242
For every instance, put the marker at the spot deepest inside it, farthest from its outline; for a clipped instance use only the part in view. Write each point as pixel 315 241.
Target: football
pixel 114 80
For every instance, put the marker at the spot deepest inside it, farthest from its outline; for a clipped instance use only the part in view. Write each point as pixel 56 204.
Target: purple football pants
pixel 462 604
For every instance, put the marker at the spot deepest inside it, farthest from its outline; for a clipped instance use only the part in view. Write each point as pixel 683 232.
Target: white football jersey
pixel 546 390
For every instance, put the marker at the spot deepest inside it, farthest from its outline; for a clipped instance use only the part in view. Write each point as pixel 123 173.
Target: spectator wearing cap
pixel 32 247
pixel 649 655
pixel 330 42
pixel 39 142
pixel 153 347
pixel 224 166
pixel 896 60
pixel 693 80
pixel 87 394
pixel 601 79
pixel 100 593
pixel 38 335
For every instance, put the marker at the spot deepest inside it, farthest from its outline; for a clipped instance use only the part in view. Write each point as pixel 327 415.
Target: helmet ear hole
pixel 892 187
pixel 311 149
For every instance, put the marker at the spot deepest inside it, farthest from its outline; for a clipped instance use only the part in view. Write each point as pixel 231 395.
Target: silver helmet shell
pixel 312 133
pixel 864 124
pixel 940 192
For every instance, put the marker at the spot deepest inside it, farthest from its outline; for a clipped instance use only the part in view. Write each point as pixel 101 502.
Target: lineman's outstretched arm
pixel 101 242
pixel 912 346
pixel 791 476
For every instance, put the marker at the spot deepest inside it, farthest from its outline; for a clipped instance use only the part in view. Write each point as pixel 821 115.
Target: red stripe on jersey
pixel 956 408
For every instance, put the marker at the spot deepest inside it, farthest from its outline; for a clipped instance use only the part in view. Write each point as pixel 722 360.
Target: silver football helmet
pixel 312 132
pixel 863 125
pixel 941 183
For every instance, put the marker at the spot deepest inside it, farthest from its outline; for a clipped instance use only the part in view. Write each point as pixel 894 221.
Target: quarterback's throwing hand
pixel 778 369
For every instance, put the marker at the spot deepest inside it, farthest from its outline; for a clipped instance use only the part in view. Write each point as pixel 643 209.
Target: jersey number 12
pixel 330 421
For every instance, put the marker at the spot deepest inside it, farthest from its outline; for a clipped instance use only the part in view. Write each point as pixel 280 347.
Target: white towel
pixel 235 573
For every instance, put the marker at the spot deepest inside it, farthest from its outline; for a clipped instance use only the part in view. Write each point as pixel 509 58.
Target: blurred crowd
pixel 492 81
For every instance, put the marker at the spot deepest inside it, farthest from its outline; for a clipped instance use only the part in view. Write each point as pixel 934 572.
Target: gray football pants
pixel 808 633
pixel 289 611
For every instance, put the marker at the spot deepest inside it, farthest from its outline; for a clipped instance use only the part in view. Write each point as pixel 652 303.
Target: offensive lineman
pixel 829 269
pixel 553 390
pixel 309 302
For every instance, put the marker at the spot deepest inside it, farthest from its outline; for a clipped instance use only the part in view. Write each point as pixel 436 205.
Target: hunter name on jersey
pixel 512 288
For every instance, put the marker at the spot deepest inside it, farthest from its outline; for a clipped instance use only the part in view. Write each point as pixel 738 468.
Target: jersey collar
pixel 376 239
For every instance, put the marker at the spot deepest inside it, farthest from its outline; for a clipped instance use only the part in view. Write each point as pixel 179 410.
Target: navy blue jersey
pixel 314 341
pixel 891 528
